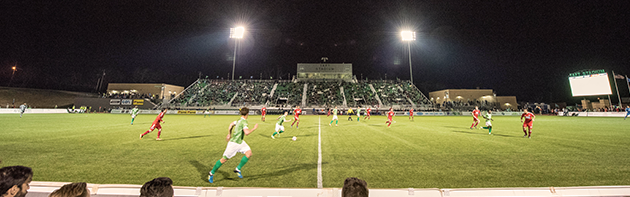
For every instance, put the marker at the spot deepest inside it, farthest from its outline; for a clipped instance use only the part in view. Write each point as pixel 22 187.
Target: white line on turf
pixel 320 183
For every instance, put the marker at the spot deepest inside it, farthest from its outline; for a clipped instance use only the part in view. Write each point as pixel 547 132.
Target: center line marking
pixel 320 181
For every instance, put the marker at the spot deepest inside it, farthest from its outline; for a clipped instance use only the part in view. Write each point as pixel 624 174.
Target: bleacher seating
pixel 324 94
pixel 253 93
pixel 390 93
pixel 292 91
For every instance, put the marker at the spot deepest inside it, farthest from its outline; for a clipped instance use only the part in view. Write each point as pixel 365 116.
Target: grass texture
pixel 430 152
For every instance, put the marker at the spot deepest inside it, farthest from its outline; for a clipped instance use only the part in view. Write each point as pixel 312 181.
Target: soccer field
pixel 430 152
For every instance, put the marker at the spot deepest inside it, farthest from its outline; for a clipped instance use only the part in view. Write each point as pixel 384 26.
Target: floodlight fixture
pixel 237 32
pixel 14 68
pixel 408 35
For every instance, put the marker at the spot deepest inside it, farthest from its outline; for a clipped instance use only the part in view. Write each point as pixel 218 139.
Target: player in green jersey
pixel 134 112
pixel 279 126
pixel 335 112
pixel 489 120
pixel 236 144
pixel 358 113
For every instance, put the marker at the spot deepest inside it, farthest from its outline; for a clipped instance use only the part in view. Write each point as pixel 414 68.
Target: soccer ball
pixel 294 138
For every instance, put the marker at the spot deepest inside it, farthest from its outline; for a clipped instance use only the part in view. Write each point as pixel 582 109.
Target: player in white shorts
pixel 236 144
pixel 279 126
pixel 335 112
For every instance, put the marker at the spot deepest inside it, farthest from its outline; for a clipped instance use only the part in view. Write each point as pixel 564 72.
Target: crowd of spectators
pixel 390 93
pixel 292 91
pixel 132 95
pixel 413 93
pixel 359 94
pixel 324 94
pixel 253 93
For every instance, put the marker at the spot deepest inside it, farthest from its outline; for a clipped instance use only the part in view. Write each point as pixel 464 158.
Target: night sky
pixel 520 48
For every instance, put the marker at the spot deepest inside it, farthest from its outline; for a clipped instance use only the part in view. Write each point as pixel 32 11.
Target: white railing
pixel 42 189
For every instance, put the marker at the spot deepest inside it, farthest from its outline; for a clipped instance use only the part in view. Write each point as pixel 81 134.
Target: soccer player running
pixel 368 112
pixel 236 144
pixel 263 113
pixel 279 126
pixel 627 112
pixel 156 125
pixel 22 109
pixel 529 122
pixel 334 118
pixel 296 116
pixel 475 115
pixel 390 116
pixel 489 120
pixel 134 112
pixel 358 113
pixel 411 114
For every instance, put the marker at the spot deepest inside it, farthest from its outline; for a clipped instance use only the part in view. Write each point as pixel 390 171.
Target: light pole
pixel 10 81
pixel 409 36
pixel 236 33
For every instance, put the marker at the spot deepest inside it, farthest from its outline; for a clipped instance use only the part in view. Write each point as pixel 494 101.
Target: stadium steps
pixel 380 103
pixel 304 94
pixel 345 104
pixel 182 92
pixel 232 100
pixel 407 97
pixel 273 90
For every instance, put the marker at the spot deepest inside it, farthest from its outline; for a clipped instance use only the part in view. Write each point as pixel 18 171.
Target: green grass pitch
pixel 430 152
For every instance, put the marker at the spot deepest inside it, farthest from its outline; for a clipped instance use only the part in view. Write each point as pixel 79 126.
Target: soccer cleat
pixel 470 128
pixel 141 136
pixel 210 178
pixel 272 137
pixel 158 139
pixel 530 137
pixel 238 172
pixel 525 135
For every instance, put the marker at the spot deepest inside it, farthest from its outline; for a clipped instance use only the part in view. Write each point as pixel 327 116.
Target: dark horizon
pixel 522 49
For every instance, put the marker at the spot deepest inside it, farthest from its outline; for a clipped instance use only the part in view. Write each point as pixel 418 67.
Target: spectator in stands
pixel 354 187
pixel 15 181
pixel 158 187
pixel 72 190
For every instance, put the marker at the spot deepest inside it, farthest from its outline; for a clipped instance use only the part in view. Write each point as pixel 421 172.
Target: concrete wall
pixel 507 102
pixel 145 88
pixel 463 95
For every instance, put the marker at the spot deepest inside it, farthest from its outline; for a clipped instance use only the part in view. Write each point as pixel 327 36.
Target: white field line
pixel 320 182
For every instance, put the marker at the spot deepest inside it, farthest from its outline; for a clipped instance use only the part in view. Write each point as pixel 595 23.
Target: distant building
pixel 156 90
pixel 471 97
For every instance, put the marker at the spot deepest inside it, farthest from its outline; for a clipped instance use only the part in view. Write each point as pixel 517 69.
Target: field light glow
pixel 237 32
pixel 408 35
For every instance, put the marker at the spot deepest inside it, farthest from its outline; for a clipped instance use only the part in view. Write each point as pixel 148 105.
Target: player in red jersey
pixel 475 115
pixel 263 112
pixel 156 125
pixel 390 116
pixel 411 113
pixel 368 111
pixel 529 122
pixel 328 112
pixel 296 116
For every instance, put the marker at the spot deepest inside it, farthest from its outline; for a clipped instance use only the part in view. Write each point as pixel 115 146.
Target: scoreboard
pixel 590 83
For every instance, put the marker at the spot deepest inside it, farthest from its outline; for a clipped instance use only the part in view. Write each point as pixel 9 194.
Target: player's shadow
pixel 286 170
pixel 189 137
pixel 482 133
pixel 452 127
pixel 203 171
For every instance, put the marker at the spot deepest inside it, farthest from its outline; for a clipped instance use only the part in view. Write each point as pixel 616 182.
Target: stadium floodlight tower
pixel 409 36
pixel 237 34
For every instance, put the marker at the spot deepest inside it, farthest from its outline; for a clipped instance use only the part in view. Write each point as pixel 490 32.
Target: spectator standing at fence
pixel 263 113
pixel 475 115
pixel 156 125
pixel 236 144
pixel 134 112
pixel 22 109
pixel 72 190
pixel 296 116
pixel 529 122
pixel 158 187
pixel 354 187
pixel 15 181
